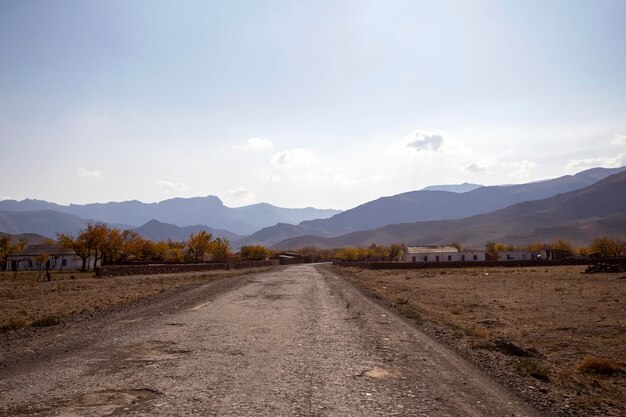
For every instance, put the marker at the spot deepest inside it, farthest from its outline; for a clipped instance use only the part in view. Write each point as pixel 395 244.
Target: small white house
pixel 443 253
pixel 520 255
pixel 41 257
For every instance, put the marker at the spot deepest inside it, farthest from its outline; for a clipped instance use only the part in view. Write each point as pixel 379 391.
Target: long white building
pixel 42 257
pixel 442 253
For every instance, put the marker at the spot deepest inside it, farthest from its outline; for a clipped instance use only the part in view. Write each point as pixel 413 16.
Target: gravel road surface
pixel 295 341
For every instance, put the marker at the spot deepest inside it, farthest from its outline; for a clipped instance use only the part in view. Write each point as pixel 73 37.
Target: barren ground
pixel 566 316
pixel 295 340
pixel 25 298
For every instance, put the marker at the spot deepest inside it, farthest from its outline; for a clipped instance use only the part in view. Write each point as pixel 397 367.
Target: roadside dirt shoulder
pixel 472 312
pixel 26 300
pixel 20 348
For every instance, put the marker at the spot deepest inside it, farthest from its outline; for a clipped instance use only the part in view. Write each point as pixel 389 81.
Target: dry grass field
pixel 575 322
pixel 26 300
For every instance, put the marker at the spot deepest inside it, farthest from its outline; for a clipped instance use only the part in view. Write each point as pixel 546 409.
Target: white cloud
pixel 240 196
pixel 475 168
pixel 85 173
pixel 481 166
pixel 577 165
pixel 171 185
pixel 258 143
pixel 492 166
pixel 297 157
pixel 618 140
pixel 425 141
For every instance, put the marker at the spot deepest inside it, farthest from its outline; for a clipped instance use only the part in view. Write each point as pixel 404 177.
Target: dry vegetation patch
pixel 570 326
pixel 599 365
pixel 26 300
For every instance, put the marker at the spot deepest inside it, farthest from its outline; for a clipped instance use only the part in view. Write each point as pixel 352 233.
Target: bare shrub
pixel 478 331
pixel 595 364
pixel 12 325
pixel 409 313
pixel 46 321
pixel 532 367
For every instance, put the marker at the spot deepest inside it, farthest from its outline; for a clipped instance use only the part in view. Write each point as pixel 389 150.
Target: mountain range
pixel 578 216
pixel 45 224
pixel 208 211
pixel 431 215
pixel 42 222
pixel 428 205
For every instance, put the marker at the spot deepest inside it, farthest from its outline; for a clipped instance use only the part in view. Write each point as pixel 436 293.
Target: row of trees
pixel 373 253
pixel 254 253
pixel 202 243
pixel 604 247
pixel 607 247
pixel 110 245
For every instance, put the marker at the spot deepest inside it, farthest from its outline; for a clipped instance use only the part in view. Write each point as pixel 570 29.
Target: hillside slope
pixel 269 236
pixel 29 238
pixel 577 215
pixel 156 230
pixel 441 205
pixel 42 222
pixel 426 205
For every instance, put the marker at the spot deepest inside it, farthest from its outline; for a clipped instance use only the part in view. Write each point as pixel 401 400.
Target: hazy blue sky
pixel 298 103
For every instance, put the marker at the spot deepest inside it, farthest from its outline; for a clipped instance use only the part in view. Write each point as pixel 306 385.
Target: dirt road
pixel 293 341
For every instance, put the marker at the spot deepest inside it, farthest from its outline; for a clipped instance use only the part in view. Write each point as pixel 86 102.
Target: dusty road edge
pixel 545 403
pixel 21 350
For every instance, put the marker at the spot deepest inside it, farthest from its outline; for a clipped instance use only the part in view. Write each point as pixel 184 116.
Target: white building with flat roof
pixel 42 257
pixel 442 253
pixel 520 255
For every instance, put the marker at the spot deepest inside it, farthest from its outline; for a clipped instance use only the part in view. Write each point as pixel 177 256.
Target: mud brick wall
pixel 152 269
pixel 291 261
pixel 473 264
